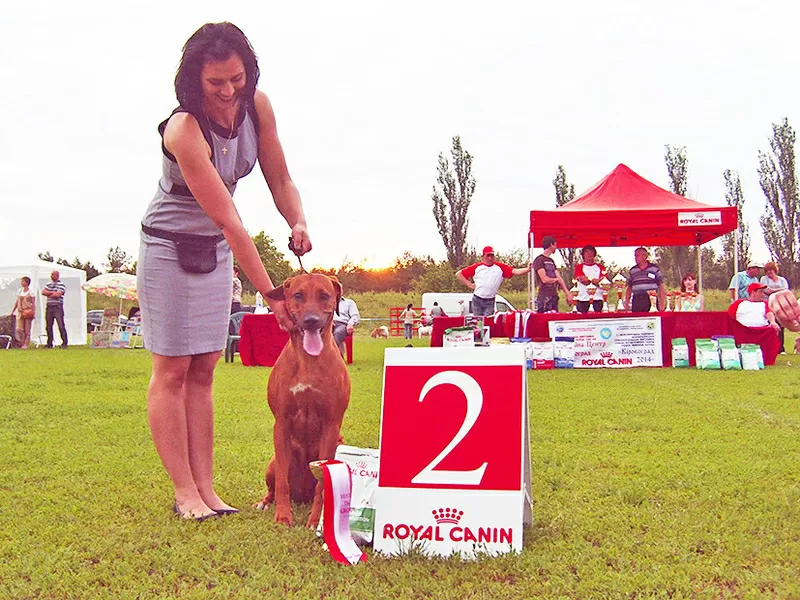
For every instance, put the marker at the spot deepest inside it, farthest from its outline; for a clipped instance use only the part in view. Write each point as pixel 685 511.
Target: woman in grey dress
pixel 222 127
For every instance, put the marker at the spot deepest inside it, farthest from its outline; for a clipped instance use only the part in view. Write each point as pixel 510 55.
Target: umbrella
pixel 114 285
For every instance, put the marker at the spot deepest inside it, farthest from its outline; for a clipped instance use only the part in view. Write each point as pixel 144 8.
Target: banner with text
pixel 615 343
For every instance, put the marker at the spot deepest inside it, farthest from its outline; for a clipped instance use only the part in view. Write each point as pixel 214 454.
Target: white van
pixel 449 302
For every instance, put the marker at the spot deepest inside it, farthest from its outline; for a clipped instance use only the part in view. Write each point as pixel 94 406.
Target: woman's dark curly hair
pixel 213 42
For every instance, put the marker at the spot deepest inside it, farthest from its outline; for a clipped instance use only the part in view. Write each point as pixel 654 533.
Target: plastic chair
pixel 6 339
pixel 234 325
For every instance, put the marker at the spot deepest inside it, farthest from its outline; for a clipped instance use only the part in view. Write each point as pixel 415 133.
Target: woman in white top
pixel 25 307
pixel 408 316
pixel 775 283
pixel 691 304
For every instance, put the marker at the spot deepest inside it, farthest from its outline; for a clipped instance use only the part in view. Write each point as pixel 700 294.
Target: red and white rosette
pixel 338 487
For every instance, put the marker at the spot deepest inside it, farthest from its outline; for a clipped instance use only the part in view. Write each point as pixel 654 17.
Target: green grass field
pixel 647 483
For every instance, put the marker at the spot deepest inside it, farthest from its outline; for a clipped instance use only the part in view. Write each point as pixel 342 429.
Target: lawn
pixel 647 483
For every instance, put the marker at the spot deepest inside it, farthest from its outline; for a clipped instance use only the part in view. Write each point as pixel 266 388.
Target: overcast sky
pixel 367 94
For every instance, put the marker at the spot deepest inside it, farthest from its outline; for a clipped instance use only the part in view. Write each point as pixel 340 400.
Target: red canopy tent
pixel 624 209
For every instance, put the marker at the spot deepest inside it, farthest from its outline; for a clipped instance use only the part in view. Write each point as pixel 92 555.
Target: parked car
pixel 95 317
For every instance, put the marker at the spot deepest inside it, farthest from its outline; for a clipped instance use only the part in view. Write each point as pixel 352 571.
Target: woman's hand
pixel 300 239
pixel 278 307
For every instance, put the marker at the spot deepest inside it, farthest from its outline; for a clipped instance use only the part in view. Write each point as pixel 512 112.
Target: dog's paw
pixel 284 517
pixel 313 521
pixel 264 503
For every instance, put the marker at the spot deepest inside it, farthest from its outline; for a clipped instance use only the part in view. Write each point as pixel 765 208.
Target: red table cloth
pixel 689 325
pixel 262 341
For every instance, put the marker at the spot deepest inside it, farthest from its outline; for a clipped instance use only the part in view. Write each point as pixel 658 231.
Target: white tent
pixel 39 272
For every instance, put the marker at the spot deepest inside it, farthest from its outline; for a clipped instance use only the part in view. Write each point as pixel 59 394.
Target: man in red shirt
pixel 487 276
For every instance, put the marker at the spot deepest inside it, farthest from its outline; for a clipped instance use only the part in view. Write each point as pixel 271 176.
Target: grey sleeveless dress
pixel 187 313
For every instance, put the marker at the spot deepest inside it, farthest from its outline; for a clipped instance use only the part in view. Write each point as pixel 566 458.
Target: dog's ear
pixel 279 293
pixel 338 289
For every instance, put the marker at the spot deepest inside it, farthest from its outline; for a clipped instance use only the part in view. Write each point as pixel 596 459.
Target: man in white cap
pixel 741 281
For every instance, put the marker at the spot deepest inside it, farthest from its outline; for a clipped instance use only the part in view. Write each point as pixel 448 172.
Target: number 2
pixel 474 395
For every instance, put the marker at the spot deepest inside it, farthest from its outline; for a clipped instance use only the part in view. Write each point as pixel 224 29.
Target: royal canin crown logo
pixel 361 465
pixel 447 515
pixel 606 354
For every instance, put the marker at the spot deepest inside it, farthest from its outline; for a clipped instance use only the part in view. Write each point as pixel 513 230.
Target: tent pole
pixel 699 267
pixel 530 273
pixel 736 263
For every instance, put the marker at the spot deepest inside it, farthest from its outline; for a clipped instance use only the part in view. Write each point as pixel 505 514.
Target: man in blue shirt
pixel 742 279
pixel 54 291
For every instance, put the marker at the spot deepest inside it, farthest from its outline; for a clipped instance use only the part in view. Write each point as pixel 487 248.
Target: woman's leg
pixel 26 341
pixel 166 414
pixel 200 422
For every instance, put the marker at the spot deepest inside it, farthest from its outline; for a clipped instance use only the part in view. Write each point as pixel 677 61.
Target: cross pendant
pixel 224 150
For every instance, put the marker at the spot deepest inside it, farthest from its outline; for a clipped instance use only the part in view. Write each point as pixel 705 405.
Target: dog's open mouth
pixel 312 341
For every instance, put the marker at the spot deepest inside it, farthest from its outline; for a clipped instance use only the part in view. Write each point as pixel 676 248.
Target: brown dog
pixel 308 392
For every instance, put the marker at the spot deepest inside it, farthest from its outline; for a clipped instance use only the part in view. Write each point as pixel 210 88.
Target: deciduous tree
pixel 735 197
pixel 564 193
pixel 451 199
pixel 781 221
pixel 674 261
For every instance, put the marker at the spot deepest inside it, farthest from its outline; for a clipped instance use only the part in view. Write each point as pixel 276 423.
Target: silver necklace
pixel 230 137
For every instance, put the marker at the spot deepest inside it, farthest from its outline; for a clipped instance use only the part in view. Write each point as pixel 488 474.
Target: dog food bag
pixel 729 354
pixel 564 352
pixel 706 354
pixel 363 465
pixel 752 357
pixel 539 354
pixel 680 352
pixel 459 337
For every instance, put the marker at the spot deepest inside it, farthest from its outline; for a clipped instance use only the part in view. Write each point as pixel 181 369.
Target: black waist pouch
pixel 196 253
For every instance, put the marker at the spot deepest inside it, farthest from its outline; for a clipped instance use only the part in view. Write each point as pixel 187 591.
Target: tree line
pixel 452 196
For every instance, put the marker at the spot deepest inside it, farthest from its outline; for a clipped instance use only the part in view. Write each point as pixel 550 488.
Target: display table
pixel 262 341
pixel 689 325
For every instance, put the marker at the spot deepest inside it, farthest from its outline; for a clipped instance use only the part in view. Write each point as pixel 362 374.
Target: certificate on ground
pixel 616 343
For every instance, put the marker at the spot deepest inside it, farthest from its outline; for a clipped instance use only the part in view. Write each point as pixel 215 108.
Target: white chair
pixel 6 339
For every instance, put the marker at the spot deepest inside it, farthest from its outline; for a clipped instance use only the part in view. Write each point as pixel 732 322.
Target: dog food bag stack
pixel 729 354
pixel 459 337
pixel 539 354
pixel 752 357
pixel 680 352
pixel 706 354
pixel 363 465
pixel 564 352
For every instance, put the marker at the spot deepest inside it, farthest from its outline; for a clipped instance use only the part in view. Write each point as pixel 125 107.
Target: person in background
pixel 408 316
pixel 754 310
pixel 236 302
pixel 463 309
pixel 54 291
pixel 547 278
pixel 741 280
pixel 437 311
pixel 775 283
pixel 698 303
pixel 643 278
pixel 589 272
pixel 25 307
pixel 345 322
pixel 487 276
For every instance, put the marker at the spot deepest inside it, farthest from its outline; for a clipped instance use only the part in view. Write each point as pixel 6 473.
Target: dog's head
pixel 311 299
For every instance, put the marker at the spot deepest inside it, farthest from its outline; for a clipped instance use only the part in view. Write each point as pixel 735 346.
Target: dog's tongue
pixel 312 342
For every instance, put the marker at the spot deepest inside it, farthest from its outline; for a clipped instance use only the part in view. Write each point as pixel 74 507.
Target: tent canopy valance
pixel 624 209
